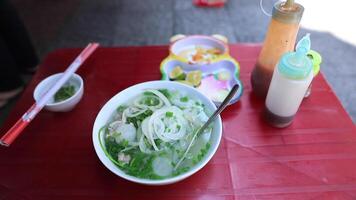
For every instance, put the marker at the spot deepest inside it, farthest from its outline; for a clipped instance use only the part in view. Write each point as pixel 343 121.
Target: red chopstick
pixel 22 123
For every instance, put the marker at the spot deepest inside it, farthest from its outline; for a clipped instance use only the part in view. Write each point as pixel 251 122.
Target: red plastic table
pixel 314 158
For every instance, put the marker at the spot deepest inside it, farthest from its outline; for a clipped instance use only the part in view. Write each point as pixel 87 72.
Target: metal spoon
pixel 222 106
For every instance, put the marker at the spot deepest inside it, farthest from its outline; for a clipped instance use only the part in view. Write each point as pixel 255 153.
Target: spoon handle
pixel 211 119
pixel 222 106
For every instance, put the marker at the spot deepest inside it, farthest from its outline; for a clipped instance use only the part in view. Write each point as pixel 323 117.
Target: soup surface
pixel 153 136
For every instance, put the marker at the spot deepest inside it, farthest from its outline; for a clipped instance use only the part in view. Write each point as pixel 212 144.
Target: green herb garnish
pixel 201 154
pixel 150 101
pixel 64 93
pixel 165 92
pixel 184 99
pixel 169 114
pixel 139 118
pixel 121 109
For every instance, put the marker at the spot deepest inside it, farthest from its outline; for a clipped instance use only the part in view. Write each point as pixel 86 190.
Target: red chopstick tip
pixel 4 144
pixel 88 50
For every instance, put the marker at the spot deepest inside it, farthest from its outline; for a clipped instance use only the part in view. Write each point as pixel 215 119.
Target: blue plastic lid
pixel 296 65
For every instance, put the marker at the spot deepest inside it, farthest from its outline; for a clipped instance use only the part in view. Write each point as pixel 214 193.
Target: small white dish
pixel 122 97
pixel 65 105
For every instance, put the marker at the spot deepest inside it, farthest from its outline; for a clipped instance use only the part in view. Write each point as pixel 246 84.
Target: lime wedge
pixel 177 74
pixel 194 77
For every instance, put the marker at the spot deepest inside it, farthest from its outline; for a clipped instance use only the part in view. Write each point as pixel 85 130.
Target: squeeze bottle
pixel 280 38
pixel 291 79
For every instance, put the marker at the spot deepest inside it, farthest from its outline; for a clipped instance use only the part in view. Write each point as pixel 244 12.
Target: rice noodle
pixel 156 123
pixel 142 145
pixel 133 111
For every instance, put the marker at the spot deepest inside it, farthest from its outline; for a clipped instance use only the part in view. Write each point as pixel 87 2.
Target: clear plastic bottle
pixel 280 38
pixel 291 79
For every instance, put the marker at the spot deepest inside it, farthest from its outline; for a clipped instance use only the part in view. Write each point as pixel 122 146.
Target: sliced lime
pixel 194 77
pixel 177 74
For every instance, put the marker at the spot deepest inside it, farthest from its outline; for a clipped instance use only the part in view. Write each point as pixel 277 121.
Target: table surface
pixel 314 158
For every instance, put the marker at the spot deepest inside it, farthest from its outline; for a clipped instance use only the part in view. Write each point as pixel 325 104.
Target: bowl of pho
pixel 146 133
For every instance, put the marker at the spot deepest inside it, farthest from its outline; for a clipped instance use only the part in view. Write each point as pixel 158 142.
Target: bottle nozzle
pixel 296 64
pixel 303 45
pixel 302 49
pixel 289 3
pixel 289 6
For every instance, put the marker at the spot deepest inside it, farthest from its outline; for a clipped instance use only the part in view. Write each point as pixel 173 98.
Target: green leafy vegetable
pixel 64 93
pixel 140 164
pixel 139 118
pixel 121 108
pixel 181 171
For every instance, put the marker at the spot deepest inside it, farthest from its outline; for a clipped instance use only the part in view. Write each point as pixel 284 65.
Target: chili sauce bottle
pixel 280 38
pixel 291 79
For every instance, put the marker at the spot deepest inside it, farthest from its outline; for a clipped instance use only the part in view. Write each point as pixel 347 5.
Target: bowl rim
pixel 75 76
pixel 103 158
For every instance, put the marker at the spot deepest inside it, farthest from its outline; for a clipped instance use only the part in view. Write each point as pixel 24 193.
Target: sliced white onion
pixel 161 96
pixel 150 133
pixel 144 126
pixel 142 145
pixel 138 103
pixel 157 126
pixel 133 111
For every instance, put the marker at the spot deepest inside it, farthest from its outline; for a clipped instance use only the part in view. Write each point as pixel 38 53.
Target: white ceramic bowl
pixel 127 94
pixel 62 106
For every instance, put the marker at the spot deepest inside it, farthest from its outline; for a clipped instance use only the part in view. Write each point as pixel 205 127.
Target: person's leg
pixel 16 37
pixel 11 83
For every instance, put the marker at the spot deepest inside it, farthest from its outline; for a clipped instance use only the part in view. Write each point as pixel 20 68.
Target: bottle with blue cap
pixel 290 81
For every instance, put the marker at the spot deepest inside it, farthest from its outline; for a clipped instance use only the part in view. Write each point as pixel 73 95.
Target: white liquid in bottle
pixel 290 81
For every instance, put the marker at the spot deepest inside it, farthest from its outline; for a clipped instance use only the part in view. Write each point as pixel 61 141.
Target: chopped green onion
pixel 184 99
pixel 169 114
